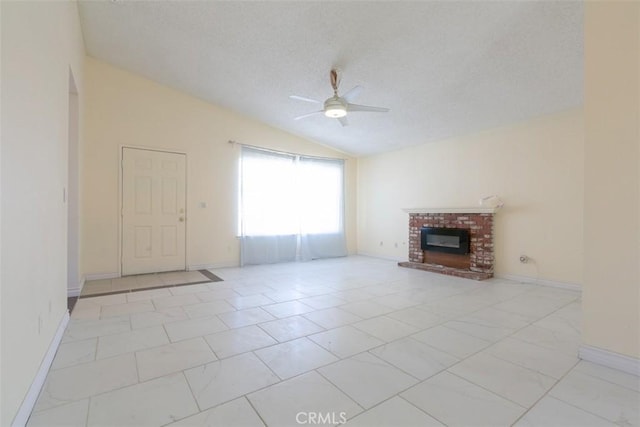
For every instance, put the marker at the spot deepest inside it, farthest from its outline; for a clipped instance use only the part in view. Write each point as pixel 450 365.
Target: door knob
pixel 181 219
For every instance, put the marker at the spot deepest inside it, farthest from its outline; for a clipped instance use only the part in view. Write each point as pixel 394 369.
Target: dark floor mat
pixel 210 275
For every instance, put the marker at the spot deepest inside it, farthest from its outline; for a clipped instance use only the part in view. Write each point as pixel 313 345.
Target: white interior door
pixel 153 211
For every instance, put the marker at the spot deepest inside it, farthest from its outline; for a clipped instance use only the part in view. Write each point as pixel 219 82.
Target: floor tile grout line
pixel 637 391
pixel 533 323
pixel 527 367
pixel 352 398
pixel 550 396
pixel 88 411
pixel 489 344
pixel 280 379
pixel 193 394
pixel 246 397
pixel 546 393
pixel 238 396
pixel 317 371
pixel 383 402
pixel 138 382
pixel 419 380
pixel 462 360
pixel 486 389
pixel 204 337
pixel 420 409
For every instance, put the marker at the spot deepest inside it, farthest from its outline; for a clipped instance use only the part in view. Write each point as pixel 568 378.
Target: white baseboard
pixel 34 391
pixel 214 265
pixel 607 358
pixel 543 282
pixel 381 256
pixel 75 292
pixel 100 276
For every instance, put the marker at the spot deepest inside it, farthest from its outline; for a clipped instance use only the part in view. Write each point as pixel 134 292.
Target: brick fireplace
pixel 477 264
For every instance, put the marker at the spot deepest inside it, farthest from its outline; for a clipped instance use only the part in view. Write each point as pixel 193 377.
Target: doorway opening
pixel 72 195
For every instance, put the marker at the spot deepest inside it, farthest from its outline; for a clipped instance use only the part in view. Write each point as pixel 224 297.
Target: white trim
pixel 75 292
pixel 36 386
pixel 630 365
pixel 214 265
pixel 542 282
pixel 450 210
pixel 100 276
pixel 372 255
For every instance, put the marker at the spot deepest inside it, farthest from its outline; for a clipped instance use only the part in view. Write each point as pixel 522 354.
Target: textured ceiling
pixel 443 68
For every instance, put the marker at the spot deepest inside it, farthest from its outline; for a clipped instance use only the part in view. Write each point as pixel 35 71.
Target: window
pixel 296 200
pixel 267 187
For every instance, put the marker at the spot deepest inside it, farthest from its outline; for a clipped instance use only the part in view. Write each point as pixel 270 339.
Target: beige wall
pixel 41 42
pixel 536 167
pixel 611 297
pixel 126 109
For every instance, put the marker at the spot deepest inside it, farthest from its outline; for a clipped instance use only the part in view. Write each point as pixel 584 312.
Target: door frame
pixel 72 190
pixel 121 195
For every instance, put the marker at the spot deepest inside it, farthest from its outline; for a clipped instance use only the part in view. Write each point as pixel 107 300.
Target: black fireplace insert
pixel 447 240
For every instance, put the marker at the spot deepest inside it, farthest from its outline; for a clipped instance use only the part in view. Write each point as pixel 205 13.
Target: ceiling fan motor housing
pixel 335 107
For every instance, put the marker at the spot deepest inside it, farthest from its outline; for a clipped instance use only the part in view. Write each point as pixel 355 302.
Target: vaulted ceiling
pixel 443 68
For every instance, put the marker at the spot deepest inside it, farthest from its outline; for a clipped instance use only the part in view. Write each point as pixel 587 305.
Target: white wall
pixel 536 167
pixel 126 109
pixel 41 41
pixel 611 296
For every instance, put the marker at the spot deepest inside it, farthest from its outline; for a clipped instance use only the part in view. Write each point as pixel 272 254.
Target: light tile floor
pixel 356 339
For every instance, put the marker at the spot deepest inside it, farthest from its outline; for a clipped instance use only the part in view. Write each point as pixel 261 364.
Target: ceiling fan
pixel 337 107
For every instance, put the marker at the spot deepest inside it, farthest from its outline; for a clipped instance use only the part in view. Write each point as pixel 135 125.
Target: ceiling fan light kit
pixel 337 107
pixel 334 108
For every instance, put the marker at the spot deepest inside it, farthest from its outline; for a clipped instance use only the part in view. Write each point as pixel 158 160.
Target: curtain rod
pixel 286 153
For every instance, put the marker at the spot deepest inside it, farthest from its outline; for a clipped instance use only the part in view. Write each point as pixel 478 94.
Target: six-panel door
pixel 153 211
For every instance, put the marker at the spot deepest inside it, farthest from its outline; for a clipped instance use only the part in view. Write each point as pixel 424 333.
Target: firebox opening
pixel 447 240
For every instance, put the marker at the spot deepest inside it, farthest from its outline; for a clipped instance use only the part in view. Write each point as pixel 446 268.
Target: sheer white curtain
pixel 321 207
pixel 291 207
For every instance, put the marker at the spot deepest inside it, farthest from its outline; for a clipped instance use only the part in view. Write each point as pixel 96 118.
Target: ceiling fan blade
pixel 356 107
pixel 352 94
pixel 305 99
pixel 308 115
pixel 343 121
